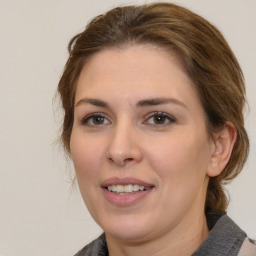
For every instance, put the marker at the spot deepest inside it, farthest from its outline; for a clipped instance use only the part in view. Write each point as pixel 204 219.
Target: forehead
pixel 135 71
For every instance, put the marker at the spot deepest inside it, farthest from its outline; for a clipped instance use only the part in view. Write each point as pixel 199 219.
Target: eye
pixel 95 119
pixel 160 118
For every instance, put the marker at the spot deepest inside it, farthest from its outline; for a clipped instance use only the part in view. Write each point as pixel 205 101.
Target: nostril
pixel 121 162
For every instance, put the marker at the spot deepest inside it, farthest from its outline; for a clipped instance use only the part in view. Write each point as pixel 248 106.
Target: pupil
pixel 159 119
pixel 98 120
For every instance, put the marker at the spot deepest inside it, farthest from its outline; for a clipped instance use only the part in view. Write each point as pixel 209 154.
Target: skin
pixel 176 155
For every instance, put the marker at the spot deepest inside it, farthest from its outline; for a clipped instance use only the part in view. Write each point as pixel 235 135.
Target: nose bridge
pixel 123 144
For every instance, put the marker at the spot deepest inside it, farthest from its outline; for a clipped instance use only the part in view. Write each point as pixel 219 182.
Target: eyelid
pixel 85 119
pixel 171 118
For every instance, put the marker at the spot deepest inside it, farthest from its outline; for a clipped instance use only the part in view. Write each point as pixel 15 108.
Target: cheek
pixel 180 158
pixel 181 166
pixel 87 157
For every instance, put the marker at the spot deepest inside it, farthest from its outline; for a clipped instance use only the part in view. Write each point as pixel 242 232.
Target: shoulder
pixel 96 247
pixel 248 248
pixel 225 237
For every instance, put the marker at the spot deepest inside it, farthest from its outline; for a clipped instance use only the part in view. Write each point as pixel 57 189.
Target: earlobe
pixel 223 145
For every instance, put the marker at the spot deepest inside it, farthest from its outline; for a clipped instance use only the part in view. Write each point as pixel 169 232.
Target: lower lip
pixel 126 200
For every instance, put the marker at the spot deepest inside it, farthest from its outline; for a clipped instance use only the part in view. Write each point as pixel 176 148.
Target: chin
pixel 131 236
pixel 128 229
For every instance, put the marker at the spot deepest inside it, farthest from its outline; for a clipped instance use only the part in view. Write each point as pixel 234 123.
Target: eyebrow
pixel 95 102
pixel 160 101
pixel 141 103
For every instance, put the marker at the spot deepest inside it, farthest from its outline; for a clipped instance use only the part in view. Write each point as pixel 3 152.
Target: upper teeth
pixel 125 188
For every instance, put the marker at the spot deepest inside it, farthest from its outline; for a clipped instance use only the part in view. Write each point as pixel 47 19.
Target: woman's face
pixel 139 143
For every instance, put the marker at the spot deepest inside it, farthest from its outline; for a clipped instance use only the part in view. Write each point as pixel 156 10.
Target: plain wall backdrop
pixel 39 213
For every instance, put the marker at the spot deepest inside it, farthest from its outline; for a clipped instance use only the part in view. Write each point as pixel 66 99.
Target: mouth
pixel 127 189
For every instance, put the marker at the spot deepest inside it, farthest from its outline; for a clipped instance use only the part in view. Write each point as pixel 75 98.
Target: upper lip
pixel 124 181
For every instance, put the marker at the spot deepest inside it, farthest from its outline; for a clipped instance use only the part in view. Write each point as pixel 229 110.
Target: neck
pixel 179 242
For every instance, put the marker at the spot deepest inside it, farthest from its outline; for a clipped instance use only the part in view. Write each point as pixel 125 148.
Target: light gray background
pixel 39 214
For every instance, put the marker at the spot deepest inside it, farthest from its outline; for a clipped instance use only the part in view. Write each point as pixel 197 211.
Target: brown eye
pixel 98 120
pixel 160 118
pixel 95 120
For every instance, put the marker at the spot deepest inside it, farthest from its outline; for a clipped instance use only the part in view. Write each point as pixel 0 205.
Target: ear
pixel 223 145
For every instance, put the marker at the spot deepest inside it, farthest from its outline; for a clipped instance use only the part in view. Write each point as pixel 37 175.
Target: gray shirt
pixel 225 238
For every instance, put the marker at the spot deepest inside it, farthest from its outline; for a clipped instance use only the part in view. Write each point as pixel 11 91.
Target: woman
pixel 153 99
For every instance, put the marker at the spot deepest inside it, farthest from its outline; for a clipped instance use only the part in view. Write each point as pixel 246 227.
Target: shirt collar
pixel 225 237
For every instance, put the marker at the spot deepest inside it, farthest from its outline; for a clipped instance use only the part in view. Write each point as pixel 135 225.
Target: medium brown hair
pixel 204 53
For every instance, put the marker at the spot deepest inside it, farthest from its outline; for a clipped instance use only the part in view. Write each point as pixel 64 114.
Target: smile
pixel 125 192
pixel 126 189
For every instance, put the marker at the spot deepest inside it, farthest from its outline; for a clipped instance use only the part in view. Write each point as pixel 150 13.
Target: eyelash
pixel 85 120
pixel 167 117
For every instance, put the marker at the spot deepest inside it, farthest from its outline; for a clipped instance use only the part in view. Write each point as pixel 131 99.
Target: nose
pixel 124 147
